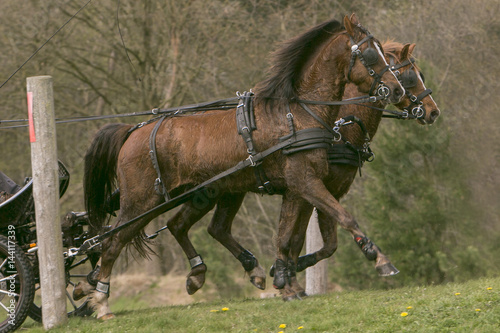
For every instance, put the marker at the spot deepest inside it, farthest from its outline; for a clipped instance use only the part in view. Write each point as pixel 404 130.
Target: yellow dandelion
pixel 283 326
pixel 489 288
pixel 404 314
pixel 225 309
pixel 300 327
pixel 409 307
pixel 281 332
pixel 456 294
pixel 477 310
pixel 214 310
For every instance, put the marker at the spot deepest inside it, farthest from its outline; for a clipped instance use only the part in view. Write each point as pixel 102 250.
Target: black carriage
pixel 19 273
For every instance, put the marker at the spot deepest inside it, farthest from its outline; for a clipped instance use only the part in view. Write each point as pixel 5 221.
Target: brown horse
pixel 192 149
pixel 296 213
pixel 342 173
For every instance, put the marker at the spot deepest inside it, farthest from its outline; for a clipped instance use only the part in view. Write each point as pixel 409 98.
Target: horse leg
pixel 98 299
pixel 291 234
pixel 294 217
pixel 220 229
pixel 179 225
pixel 371 251
pixel 297 243
pixel 111 249
pixel 328 232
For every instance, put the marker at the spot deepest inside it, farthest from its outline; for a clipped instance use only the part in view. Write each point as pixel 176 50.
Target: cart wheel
pixel 16 285
pixel 77 268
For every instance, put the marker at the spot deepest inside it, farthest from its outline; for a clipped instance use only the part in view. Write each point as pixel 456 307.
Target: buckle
pixel 252 162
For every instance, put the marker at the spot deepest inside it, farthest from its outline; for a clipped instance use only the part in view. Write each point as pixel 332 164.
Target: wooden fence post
pixel 42 131
pixel 317 275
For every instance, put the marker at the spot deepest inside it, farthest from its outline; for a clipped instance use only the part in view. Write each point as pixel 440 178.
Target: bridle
pixel 409 79
pixel 368 58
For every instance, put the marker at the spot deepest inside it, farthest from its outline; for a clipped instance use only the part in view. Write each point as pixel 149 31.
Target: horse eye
pixel 371 56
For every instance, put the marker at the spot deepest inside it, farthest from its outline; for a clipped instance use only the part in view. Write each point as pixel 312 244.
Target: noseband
pixel 409 79
pixel 368 58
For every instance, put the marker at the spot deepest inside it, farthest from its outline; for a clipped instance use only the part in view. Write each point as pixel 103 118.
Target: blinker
pixel 408 79
pixel 371 56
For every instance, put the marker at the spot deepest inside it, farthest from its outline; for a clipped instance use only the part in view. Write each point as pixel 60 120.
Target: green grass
pixel 467 307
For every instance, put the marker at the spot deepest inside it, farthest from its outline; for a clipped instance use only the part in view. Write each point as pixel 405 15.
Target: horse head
pixel 368 68
pixel 419 103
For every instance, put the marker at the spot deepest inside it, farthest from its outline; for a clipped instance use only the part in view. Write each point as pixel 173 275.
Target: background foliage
pixel 429 200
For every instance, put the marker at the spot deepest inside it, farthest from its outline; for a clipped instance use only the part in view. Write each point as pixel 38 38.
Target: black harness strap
pixel 306 139
pixel 319 120
pixel 245 122
pixel 348 154
pixel 159 184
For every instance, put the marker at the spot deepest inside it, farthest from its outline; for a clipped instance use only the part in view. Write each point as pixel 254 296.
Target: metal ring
pixel 383 91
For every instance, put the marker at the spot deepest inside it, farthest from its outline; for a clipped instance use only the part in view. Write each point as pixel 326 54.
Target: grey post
pixel 46 196
pixel 317 275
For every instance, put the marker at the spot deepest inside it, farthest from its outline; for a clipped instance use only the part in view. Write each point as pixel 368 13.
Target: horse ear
pixel 348 25
pixel 351 24
pixel 411 48
pixel 407 51
pixel 354 19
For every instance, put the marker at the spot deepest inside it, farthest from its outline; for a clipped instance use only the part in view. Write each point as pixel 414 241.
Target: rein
pixel 222 104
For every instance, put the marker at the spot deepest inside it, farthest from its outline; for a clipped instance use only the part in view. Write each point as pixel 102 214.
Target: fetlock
pixel 280 274
pixel 367 247
pixel 248 261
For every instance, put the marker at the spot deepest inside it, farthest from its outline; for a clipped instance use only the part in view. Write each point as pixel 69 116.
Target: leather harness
pixel 296 141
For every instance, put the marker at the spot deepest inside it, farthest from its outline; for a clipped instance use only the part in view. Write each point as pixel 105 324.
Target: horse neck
pixel 325 78
pixel 371 118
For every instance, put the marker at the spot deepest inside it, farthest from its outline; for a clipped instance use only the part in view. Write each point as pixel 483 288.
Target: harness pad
pixel 309 138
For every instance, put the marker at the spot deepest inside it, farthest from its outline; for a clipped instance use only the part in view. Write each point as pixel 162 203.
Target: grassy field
pixel 469 307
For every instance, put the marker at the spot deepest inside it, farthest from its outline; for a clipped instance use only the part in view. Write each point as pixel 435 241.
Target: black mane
pixel 289 60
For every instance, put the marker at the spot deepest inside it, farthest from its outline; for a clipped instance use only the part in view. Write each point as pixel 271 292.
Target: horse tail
pixel 99 180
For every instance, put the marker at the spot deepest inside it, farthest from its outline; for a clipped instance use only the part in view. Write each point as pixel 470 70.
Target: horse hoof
pixel 191 287
pixel 107 317
pixel 194 283
pixel 78 293
pixel 387 270
pixel 258 277
pixel 258 282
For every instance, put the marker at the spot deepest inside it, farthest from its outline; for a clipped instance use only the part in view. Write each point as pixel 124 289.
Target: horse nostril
pixel 434 114
pixel 398 92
